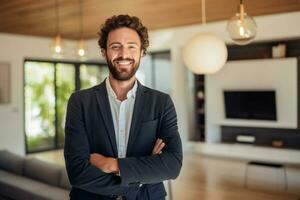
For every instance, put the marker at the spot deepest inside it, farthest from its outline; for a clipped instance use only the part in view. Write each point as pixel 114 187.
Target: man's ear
pixel 142 53
pixel 103 53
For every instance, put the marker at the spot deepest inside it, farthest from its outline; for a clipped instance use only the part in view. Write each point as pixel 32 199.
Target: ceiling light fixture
pixel 205 53
pixel 241 27
pixel 81 51
pixel 56 46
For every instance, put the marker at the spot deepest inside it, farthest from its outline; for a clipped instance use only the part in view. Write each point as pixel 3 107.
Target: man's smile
pixel 124 62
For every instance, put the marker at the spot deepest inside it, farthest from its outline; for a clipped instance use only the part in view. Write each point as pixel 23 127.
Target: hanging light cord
pixel 81 19
pixel 242 11
pixel 57 17
pixel 203 12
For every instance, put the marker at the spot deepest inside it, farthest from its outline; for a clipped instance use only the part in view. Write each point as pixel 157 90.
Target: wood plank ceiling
pixel 37 17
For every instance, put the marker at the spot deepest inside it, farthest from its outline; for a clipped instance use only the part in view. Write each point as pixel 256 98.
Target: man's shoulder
pixel 156 93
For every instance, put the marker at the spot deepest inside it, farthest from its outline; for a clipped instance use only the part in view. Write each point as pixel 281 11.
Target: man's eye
pixel 115 47
pixel 132 47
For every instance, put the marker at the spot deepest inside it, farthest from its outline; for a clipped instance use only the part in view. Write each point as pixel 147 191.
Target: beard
pixel 122 74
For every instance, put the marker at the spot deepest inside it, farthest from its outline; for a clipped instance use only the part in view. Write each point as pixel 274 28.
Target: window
pixel 47 88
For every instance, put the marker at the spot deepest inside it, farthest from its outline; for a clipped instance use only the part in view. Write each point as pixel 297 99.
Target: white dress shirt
pixel 122 115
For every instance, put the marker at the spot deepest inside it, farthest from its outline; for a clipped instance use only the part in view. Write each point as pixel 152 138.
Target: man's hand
pixel 106 164
pixel 159 145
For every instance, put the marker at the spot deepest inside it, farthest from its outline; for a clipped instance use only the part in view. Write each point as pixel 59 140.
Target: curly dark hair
pixel 119 21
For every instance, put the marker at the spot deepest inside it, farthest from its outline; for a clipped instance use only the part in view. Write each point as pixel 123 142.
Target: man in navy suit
pixel 121 138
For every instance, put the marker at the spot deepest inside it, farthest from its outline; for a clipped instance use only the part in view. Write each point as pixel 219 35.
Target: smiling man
pixel 121 138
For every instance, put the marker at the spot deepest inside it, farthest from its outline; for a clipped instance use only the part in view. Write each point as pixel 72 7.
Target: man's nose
pixel 124 52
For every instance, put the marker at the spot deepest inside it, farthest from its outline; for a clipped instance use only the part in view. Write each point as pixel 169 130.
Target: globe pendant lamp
pixel 241 27
pixel 205 53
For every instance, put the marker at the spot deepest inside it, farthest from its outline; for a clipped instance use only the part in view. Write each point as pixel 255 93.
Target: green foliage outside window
pixel 48 87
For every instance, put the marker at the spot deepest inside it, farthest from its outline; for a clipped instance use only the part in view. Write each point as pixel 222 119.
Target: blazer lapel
pixel 104 107
pixel 136 117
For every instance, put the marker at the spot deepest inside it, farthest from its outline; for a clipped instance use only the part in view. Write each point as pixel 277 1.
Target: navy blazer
pixel 89 129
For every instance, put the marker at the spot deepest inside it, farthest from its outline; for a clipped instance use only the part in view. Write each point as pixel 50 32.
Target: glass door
pixel 48 86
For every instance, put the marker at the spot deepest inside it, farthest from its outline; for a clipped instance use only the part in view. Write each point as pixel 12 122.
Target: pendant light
pixel 56 46
pixel 205 53
pixel 241 27
pixel 81 51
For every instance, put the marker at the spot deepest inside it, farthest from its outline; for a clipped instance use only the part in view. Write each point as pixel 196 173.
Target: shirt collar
pixel 131 93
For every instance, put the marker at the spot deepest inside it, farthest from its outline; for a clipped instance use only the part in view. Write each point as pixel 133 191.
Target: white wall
pixel 14 49
pixel 279 75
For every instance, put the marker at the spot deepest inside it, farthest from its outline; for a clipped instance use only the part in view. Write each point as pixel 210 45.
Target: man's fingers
pixel 161 146
pixel 158 142
pixel 158 146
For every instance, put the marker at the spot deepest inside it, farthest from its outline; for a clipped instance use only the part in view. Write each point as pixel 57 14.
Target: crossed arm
pixel 110 165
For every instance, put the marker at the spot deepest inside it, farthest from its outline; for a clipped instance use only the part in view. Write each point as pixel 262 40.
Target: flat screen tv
pixel 252 105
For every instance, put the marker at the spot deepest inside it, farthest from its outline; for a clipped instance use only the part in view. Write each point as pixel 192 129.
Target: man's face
pixel 123 53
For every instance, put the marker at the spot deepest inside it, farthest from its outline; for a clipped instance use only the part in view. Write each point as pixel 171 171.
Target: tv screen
pixel 256 105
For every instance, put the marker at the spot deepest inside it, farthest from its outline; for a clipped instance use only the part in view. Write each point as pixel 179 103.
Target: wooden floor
pixel 211 178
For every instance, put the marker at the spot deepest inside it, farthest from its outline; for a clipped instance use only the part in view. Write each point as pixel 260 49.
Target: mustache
pixel 121 58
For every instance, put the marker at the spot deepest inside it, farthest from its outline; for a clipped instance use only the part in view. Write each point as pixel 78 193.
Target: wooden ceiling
pixel 37 17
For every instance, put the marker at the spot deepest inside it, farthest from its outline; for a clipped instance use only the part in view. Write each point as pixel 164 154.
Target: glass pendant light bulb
pixel 57 43
pixel 56 47
pixel 242 31
pixel 81 51
pixel 241 27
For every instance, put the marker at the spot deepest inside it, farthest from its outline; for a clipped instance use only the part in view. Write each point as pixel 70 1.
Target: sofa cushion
pixel 11 162
pixel 51 192
pixel 4 173
pixel 64 180
pixel 19 187
pixel 42 171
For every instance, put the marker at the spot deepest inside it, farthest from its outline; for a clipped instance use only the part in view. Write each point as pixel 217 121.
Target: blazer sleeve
pixel 160 167
pixel 81 173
